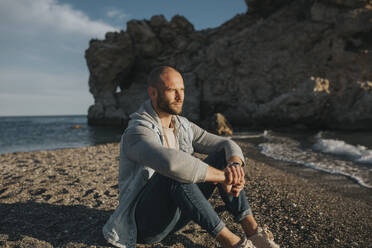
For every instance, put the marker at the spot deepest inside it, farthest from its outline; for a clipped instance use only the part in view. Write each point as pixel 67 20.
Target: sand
pixel 62 198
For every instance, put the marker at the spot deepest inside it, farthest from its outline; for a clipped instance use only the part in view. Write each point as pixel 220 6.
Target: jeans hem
pixel 242 215
pixel 218 229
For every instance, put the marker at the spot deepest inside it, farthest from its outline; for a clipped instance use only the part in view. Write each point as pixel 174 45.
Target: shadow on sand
pixel 60 225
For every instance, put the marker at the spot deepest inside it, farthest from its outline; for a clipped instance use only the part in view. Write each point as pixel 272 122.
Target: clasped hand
pixel 234 180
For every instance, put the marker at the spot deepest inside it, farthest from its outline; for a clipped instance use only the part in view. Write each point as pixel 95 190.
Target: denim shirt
pixel 143 151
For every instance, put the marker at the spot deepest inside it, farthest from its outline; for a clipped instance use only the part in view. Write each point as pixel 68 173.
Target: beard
pixel 169 107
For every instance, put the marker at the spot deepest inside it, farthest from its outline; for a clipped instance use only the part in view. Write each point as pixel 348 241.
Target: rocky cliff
pixel 283 63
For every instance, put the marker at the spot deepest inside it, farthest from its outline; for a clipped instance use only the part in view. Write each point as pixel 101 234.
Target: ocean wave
pixel 249 135
pixel 356 153
pixel 290 150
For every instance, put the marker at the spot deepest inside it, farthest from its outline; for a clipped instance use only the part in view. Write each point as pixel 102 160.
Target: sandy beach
pixel 62 198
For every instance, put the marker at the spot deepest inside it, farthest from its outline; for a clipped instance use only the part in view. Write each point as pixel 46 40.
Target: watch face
pixel 235 164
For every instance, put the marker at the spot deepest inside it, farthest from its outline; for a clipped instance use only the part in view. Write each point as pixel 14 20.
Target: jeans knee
pixel 175 186
pixel 217 159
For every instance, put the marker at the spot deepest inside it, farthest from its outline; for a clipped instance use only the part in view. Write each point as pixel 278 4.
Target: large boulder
pixel 283 63
pixel 218 124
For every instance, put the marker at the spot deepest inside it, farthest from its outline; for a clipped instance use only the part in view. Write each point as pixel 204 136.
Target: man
pixel 163 187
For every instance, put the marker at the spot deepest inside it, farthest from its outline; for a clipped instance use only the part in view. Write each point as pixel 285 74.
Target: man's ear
pixel 152 91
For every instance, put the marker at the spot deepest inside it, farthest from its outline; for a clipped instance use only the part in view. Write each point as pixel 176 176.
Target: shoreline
pixel 342 184
pixel 334 210
pixel 63 197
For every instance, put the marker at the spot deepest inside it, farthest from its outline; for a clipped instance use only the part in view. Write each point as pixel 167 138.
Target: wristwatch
pixel 234 164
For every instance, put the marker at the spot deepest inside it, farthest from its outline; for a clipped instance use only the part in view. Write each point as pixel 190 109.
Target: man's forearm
pixel 215 175
pixel 231 175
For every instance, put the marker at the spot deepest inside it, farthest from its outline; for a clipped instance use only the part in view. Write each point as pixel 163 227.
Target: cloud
pixel 37 16
pixel 46 30
pixel 42 57
pixel 116 14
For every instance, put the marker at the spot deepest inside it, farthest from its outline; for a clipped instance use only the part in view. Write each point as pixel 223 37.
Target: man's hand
pixel 233 174
pixel 231 178
pixel 234 180
pixel 227 188
pixel 235 190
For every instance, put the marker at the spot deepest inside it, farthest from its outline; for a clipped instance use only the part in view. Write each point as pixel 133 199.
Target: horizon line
pixel 46 115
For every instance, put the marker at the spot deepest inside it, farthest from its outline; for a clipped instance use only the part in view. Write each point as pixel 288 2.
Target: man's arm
pixel 232 175
pixel 205 142
pixel 141 145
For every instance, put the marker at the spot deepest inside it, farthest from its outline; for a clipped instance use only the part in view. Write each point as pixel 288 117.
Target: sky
pixel 42 43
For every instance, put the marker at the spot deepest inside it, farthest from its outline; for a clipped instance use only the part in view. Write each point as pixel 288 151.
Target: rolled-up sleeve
pixel 141 145
pixel 205 142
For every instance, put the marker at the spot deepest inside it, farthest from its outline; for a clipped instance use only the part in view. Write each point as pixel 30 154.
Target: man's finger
pixel 235 174
pixel 235 191
pixel 242 173
pixel 227 188
pixel 239 171
pixel 228 175
pixel 231 176
pixel 239 186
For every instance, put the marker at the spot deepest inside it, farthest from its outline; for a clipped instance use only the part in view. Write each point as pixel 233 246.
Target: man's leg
pixel 156 213
pixel 159 207
pixel 237 206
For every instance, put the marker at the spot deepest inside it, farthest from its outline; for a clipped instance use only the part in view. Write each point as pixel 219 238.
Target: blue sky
pixel 42 44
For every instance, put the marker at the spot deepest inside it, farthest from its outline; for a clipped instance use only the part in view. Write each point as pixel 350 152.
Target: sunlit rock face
pixel 283 63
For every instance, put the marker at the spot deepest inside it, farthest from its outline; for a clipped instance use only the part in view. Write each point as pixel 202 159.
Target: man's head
pixel 166 90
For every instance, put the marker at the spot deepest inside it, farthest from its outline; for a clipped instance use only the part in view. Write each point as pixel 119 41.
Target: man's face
pixel 171 93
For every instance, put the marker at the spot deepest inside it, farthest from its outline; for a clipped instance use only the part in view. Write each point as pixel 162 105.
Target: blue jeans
pixel 165 205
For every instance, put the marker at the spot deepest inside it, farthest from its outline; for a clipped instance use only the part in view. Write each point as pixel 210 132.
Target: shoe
pixel 263 239
pixel 244 243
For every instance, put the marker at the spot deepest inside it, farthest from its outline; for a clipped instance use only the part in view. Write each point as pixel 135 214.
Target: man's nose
pixel 178 95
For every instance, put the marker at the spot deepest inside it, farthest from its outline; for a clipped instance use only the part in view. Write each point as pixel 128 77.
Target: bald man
pixel 163 187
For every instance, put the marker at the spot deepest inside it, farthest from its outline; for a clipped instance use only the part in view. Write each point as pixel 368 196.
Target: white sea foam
pixel 249 135
pixel 290 150
pixel 338 147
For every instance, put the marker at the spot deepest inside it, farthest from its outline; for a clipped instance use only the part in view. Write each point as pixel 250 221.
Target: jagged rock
pixel 283 63
pixel 218 124
pixel 265 7
pixel 108 61
pixel 145 41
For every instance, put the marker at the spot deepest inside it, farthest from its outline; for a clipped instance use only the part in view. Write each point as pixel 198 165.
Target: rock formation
pixel 283 63
pixel 218 124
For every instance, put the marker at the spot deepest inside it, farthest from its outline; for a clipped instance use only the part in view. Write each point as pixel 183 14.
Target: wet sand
pixel 62 198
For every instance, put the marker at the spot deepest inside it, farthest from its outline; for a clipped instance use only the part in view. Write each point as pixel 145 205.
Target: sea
pixel 342 153
pixel 35 133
